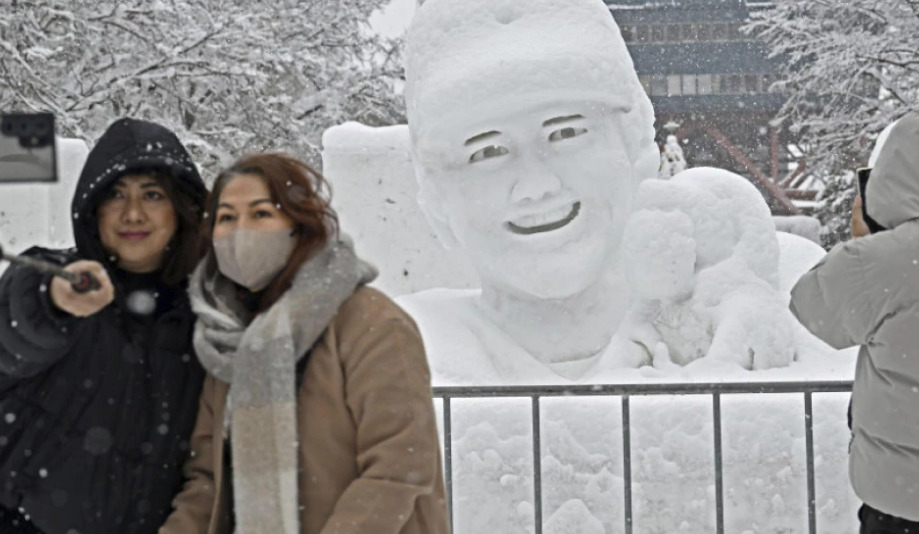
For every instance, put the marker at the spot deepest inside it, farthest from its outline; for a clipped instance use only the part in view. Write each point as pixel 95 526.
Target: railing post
pixel 626 391
pixel 627 462
pixel 537 467
pixel 719 482
pixel 809 455
pixel 448 458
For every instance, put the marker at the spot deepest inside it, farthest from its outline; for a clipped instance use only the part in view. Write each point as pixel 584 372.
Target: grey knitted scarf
pixel 258 359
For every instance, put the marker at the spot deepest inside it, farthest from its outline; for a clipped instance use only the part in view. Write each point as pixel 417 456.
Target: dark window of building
pixel 733 84
pixel 705 33
pixel 627 34
pixel 673 33
pixel 643 33
pixel 751 83
pixel 690 32
pixel 657 34
pixel 719 31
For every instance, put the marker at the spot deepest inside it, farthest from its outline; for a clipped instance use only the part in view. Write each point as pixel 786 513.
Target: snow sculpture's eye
pixel 491 151
pixel 566 133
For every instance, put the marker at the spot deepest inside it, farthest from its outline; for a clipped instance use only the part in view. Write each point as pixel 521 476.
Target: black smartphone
pixel 863 175
pixel 27 150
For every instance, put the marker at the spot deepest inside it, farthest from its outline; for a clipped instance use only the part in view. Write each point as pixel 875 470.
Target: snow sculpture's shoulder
pixel 464 347
pixel 454 335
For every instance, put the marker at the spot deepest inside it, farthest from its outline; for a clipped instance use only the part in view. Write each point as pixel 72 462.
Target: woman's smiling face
pixel 137 220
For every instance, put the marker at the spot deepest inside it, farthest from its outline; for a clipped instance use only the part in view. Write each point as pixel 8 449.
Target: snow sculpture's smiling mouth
pixel 544 222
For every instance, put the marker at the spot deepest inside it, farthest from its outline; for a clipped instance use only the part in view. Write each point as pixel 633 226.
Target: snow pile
pixel 802 225
pixel 702 257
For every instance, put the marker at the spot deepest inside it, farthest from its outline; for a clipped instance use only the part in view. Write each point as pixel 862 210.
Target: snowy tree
pixel 229 76
pixel 673 161
pixel 852 68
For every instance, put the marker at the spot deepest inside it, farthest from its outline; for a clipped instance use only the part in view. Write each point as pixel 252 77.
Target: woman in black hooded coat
pixel 99 391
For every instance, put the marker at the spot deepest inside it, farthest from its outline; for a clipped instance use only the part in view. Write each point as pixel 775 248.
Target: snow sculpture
pixel 673 161
pixel 527 152
pixel 530 134
pixel 703 261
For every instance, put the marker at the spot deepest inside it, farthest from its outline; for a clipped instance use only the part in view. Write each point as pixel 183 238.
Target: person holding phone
pixel 316 415
pixel 99 389
pixel 866 292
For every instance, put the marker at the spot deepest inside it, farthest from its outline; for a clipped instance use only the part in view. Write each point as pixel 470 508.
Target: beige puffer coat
pixel 866 292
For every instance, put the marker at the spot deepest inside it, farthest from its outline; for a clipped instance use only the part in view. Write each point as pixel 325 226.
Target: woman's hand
pixel 83 304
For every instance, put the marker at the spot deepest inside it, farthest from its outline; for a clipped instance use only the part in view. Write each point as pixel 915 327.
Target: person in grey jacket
pixel 866 292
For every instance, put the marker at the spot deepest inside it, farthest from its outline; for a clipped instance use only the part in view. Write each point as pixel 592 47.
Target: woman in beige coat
pixel 316 415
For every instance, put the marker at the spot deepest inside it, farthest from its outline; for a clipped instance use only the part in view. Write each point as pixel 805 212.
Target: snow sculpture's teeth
pixel 545 222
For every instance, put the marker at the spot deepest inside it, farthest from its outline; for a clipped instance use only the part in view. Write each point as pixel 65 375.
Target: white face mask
pixel 252 258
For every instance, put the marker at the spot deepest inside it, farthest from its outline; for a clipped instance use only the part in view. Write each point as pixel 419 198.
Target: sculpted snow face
pixel 528 190
pixel 530 133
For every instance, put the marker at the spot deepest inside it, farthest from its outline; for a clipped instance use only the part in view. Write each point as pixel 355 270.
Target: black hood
pixel 127 145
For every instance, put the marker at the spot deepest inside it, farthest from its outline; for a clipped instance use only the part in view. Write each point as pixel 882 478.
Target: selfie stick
pixel 82 282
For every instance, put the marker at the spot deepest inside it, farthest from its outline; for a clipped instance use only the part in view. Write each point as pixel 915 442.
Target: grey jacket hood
pixel 892 197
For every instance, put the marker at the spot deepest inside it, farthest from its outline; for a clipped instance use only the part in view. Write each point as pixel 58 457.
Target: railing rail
pixel 626 391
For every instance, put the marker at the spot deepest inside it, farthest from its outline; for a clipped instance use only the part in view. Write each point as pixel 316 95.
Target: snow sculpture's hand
pixel 82 304
pixel 755 330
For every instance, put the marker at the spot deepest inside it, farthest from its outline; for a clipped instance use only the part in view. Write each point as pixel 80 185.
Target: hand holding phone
pixel 858 226
pixel 82 303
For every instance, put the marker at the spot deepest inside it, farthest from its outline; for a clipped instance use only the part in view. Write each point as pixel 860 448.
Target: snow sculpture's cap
pixel 463 52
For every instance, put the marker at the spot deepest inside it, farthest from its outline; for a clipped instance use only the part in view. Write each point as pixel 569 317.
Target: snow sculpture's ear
pixel 432 205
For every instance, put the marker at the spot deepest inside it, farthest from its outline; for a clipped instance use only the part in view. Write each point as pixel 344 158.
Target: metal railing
pixel 626 391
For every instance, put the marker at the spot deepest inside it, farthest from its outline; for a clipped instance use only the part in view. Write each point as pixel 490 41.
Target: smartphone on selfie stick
pixel 27 154
pixel 863 175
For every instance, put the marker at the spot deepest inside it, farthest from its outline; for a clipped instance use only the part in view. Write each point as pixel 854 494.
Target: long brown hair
pixel 184 249
pixel 300 192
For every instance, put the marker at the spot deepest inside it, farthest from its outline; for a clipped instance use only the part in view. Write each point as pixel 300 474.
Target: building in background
pixel 709 83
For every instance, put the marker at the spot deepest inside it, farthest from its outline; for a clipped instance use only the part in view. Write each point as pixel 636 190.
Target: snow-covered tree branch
pixel 852 68
pixel 227 76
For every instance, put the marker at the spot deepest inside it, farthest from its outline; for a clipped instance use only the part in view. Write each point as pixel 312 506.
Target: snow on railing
pixel 625 391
